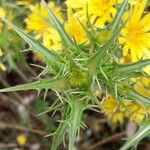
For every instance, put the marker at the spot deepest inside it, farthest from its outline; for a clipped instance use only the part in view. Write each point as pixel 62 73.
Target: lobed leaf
pixel 35 45
pixel 75 122
pixel 133 66
pixel 56 84
pixel 62 129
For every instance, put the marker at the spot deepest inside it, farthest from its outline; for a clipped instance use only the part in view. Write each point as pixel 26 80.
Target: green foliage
pixel 77 73
pixel 56 84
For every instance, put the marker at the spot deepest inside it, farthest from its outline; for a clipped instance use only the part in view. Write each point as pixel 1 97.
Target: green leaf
pixel 144 100
pixel 144 131
pixel 60 132
pixel 100 55
pixel 77 109
pixel 89 35
pixel 55 106
pixel 35 44
pixel 58 26
pixel 120 12
pixel 56 84
pixel 133 66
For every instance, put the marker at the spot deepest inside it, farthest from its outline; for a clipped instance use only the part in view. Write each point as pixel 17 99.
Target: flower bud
pixel 78 78
pixel 103 36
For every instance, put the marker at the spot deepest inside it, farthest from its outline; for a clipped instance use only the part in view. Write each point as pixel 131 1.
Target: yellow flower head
pixel 74 28
pixel 100 11
pixel 136 33
pixel 38 23
pixel 2 66
pixel 25 2
pixel 21 139
pixel 117 112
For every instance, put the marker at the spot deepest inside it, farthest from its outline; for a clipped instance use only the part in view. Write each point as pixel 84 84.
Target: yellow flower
pixel 142 86
pixel 2 66
pixel 74 28
pixel 135 112
pixel 21 139
pixel 25 2
pixel 38 23
pixel 117 112
pixel 136 34
pixel 100 11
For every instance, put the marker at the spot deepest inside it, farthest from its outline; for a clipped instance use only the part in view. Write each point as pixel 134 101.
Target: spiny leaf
pixel 56 84
pixel 75 121
pixel 89 35
pixel 57 24
pixel 134 140
pixel 59 134
pixel 51 108
pixel 34 44
pixel 100 54
pixel 98 57
pixel 120 12
pixel 133 66
pixel 144 100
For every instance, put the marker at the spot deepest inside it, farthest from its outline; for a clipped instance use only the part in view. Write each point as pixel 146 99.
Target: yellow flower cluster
pixel 99 11
pixel 38 23
pixel 136 34
pixel 135 38
pixel 142 86
pixel 117 112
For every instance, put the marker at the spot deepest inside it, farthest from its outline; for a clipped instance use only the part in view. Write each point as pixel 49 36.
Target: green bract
pixel 77 73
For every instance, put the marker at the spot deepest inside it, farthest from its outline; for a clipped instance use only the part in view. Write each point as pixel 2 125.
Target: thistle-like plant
pixel 80 70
